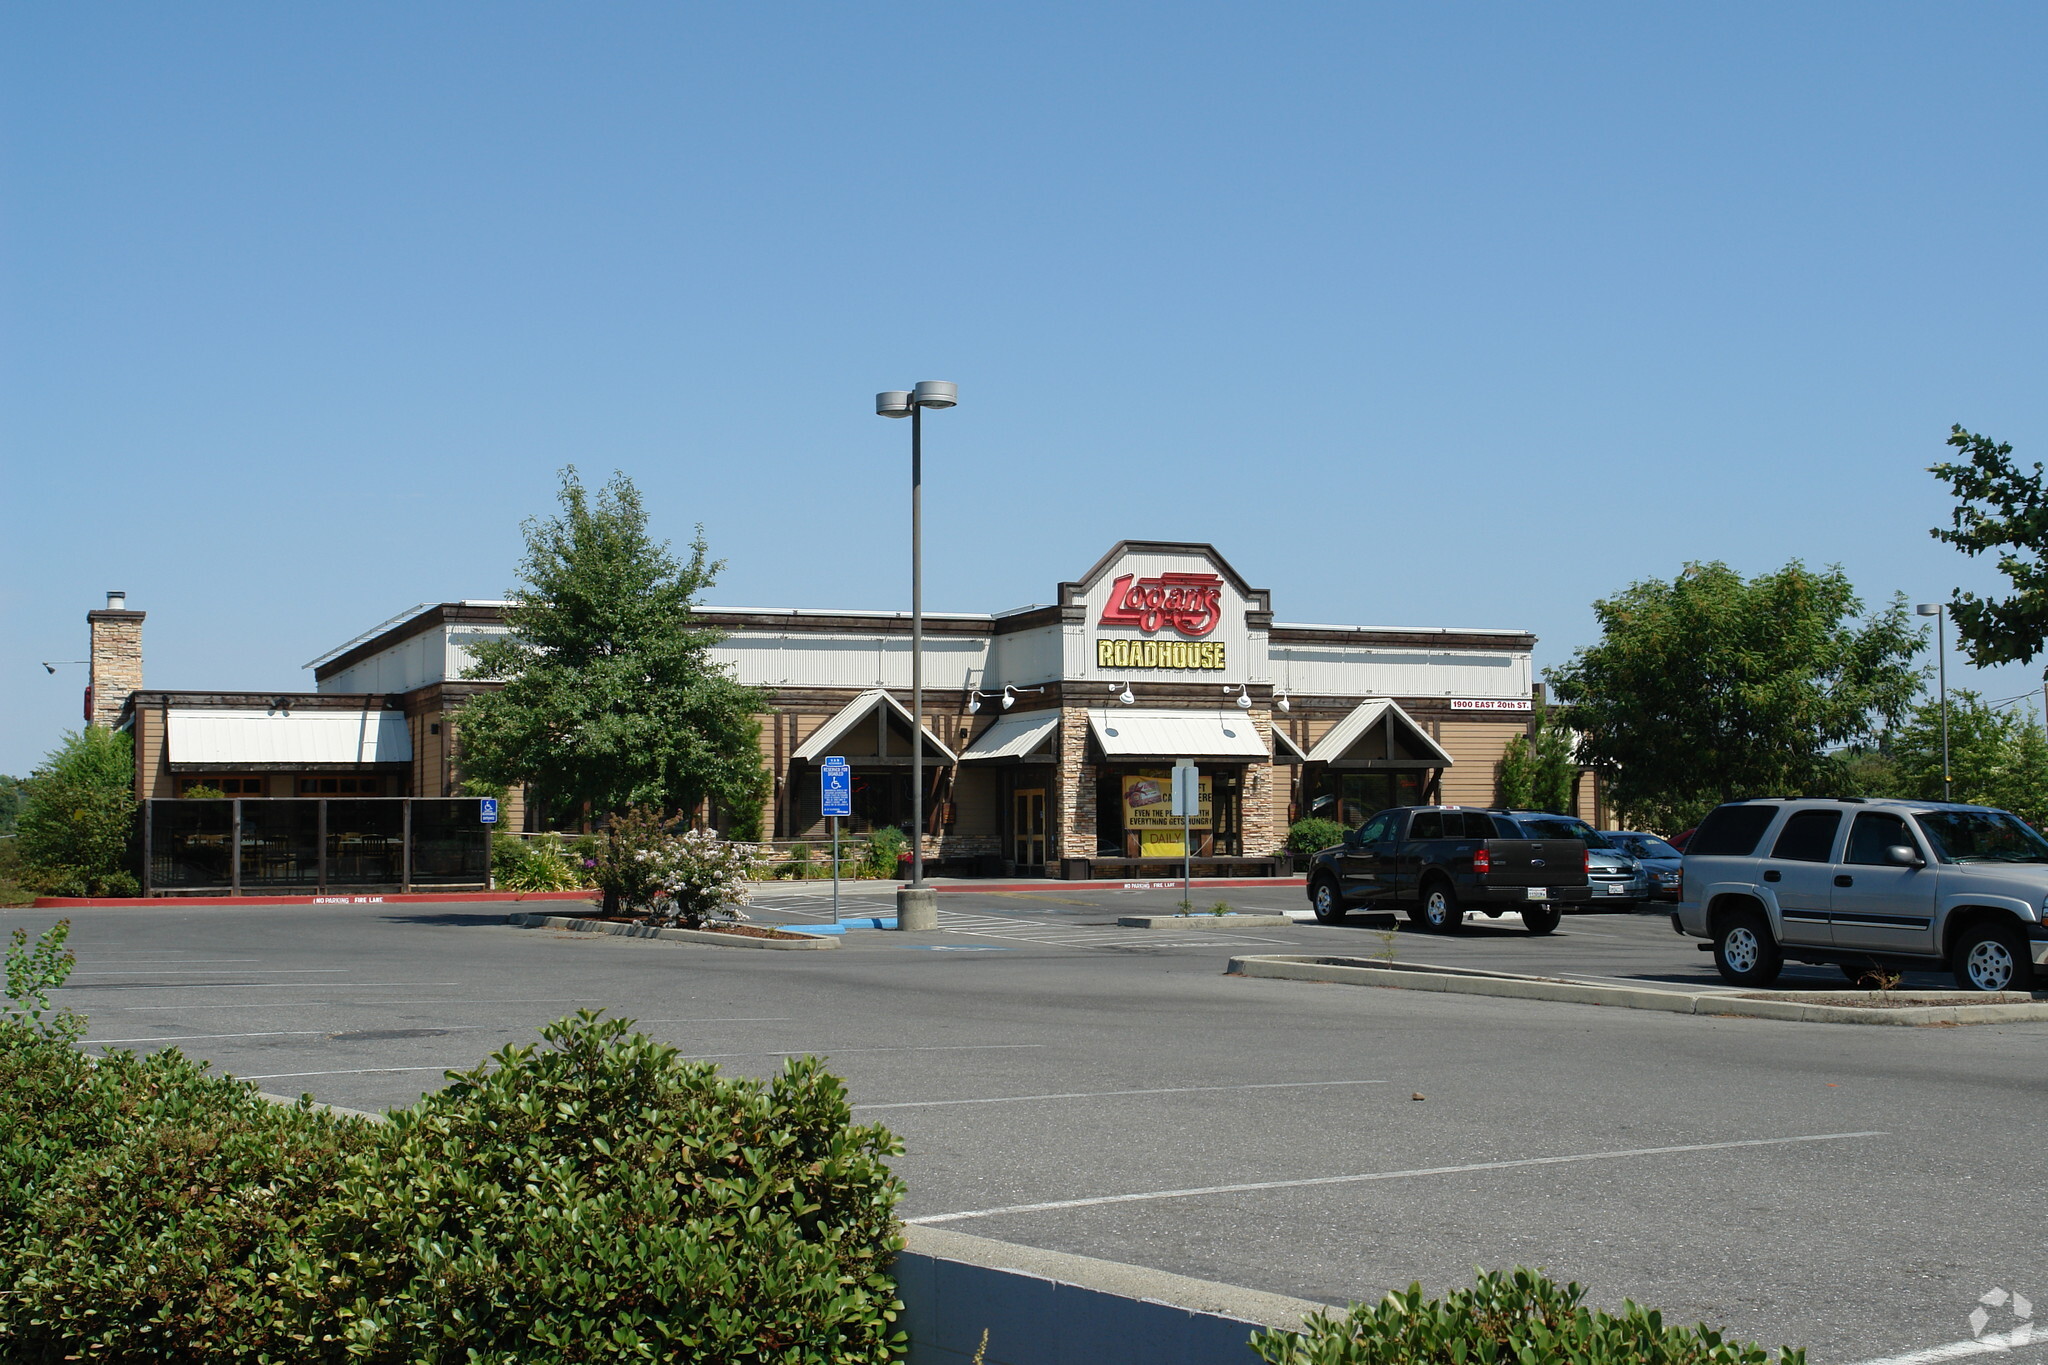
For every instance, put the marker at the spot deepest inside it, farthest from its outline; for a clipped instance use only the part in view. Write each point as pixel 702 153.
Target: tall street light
pixel 1938 610
pixel 916 906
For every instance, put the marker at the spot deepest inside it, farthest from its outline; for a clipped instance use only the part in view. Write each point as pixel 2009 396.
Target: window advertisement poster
pixel 1148 811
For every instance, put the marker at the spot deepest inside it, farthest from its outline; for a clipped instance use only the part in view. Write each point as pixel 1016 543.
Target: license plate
pixel 1537 893
pixel 1617 891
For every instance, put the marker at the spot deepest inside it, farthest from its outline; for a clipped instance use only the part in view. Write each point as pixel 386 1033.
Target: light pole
pixel 1938 610
pixel 916 906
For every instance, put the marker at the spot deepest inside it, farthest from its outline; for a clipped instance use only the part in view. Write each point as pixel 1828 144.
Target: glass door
pixel 1030 826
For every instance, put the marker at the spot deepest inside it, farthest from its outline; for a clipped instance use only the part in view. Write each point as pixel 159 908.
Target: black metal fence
pixel 272 845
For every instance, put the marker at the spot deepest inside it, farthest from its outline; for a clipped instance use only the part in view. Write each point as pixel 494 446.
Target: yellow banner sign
pixel 1159 654
pixel 1148 803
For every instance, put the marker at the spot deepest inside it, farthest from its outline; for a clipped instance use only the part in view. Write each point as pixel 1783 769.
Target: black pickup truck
pixel 1437 862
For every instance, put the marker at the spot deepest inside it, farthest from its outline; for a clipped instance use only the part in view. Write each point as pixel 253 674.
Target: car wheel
pixel 1440 908
pixel 1744 951
pixel 1542 919
pixel 1990 956
pixel 1327 901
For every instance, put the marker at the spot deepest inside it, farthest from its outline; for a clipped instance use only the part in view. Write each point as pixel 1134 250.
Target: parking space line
pixel 1306 1182
pixel 1104 1094
pixel 205 1037
pixel 244 985
pixel 1991 1343
pixel 267 971
pixel 357 1071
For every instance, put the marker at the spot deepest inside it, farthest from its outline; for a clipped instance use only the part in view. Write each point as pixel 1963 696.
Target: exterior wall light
pixel 1126 696
pixel 1244 696
pixel 1280 700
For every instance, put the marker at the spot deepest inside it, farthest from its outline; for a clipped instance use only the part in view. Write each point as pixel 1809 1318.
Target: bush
pixel 1313 835
pixel 885 849
pixel 702 877
pixel 1507 1317
pixel 78 817
pixel 796 864
pixel 536 864
pixel 594 1198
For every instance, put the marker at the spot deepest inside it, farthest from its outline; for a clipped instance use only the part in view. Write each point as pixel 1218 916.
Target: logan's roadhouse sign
pixel 1188 604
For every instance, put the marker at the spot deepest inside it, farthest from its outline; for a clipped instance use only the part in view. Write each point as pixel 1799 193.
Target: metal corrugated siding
pixel 248 736
pixel 1136 732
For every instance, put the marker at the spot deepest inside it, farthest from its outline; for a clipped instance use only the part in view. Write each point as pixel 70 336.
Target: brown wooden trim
pixel 1294 635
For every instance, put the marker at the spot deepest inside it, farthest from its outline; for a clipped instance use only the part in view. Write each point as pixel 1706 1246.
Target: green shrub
pixel 78 817
pixel 32 973
pixel 1313 835
pixel 536 864
pixel 797 864
pixel 599 1198
pixel 202 792
pixel 1513 1317
pixel 884 849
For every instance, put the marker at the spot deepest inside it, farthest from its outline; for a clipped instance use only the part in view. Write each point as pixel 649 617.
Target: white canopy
pixel 1013 736
pixel 827 737
pixel 227 736
pixel 1136 732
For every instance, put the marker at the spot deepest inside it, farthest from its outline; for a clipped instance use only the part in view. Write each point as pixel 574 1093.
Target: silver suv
pixel 1906 885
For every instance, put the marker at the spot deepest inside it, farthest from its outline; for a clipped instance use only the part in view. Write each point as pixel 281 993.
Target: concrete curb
pixel 2008 1009
pixel 333 898
pixel 707 937
pixel 1199 921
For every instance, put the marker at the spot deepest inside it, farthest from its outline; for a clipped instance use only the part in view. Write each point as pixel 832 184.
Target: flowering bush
pixel 674 876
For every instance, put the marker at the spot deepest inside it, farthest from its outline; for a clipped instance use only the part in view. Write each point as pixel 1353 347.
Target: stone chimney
pixel 116 659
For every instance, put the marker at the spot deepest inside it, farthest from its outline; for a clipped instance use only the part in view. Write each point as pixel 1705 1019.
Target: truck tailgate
pixel 1536 862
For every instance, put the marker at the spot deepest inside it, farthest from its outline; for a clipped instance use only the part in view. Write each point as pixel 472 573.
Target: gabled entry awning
pixel 1018 736
pixel 1379 734
pixel 833 733
pixel 1134 732
pixel 1285 750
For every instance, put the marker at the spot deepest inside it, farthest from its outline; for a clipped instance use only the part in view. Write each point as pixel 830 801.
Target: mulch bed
pixel 742 930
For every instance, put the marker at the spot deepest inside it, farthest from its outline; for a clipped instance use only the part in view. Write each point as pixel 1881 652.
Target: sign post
pixel 1187 795
pixel 835 795
pixel 486 815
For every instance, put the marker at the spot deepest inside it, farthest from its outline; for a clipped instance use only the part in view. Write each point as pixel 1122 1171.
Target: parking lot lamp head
pixel 935 393
pixel 892 403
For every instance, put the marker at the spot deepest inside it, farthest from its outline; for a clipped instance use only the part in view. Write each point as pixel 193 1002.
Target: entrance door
pixel 1029 810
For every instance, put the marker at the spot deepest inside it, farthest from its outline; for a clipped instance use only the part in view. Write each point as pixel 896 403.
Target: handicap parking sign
pixel 835 788
pixel 487 810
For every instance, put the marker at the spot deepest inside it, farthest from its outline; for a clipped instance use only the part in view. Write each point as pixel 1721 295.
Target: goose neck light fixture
pixel 929 393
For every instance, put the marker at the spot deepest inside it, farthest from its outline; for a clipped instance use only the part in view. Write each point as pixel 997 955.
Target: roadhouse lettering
pixel 1123 654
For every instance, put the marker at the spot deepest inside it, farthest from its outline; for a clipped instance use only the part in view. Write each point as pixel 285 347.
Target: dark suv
pixel 1438 861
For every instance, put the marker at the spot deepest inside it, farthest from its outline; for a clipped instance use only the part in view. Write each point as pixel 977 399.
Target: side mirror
pixel 1905 855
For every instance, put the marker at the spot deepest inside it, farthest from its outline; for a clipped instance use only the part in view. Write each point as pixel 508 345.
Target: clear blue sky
pixel 1425 314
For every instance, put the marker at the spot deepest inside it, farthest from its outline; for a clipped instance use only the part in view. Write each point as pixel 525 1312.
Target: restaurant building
pixel 1050 730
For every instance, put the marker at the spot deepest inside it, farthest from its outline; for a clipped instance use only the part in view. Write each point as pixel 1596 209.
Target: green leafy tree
pixel 1538 770
pixel 1713 686
pixel 1515 780
pixel 1996 758
pixel 2002 509
pixel 611 699
pixel 10 803
pixel 77 817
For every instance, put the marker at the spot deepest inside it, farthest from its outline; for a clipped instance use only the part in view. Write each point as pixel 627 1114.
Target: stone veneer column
pixel 1265 787
pixel 1074 827
pixel 116 658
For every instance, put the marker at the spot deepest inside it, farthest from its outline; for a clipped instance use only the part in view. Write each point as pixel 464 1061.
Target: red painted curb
pixel 337 898
pixel 1146 884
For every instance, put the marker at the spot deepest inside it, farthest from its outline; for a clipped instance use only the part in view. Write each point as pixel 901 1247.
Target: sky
pixel 1439 315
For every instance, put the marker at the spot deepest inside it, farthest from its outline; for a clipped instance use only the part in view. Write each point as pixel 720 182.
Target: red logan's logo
pixel 1192 603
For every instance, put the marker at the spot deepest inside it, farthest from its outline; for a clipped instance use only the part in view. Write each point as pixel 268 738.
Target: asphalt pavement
pixel 1064 1082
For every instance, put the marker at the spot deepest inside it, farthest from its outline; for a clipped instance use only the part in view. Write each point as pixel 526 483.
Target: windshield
pixel 1646 846
pixel 1562 827
pixel 1982 836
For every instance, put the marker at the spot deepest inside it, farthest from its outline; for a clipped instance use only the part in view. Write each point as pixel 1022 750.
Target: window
pixel 226 786
pixel 1647 846
pixel 1426 824
pixel 1808 837
pixel 341 786
pixel 1378 829
pixel 1475 825
pixel 1983 836
pixel 1871 835
pixel 1562 827
pixel 1731 831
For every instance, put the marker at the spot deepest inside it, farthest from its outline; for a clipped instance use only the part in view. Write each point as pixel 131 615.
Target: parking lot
pixel 1063 1082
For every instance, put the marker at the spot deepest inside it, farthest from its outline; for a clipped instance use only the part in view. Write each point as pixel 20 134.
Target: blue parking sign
pixel 835 788
pixel 487 810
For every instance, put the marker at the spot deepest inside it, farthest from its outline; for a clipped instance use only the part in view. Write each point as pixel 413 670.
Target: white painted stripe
pixel 362 1004
pixel 1104 1094
pixel 836 1051
pixel 1991 1343
pixel 177 961
pixel 251 986
pixel 205 1037
pixel 359 1071
pixel 1385 1175
pixel 267 971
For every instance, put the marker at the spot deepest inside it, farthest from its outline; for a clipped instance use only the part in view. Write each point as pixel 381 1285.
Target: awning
pixel 827 737
pixel 1013 736
pixel 228 736
pixel 1134 732
pixel 1379 734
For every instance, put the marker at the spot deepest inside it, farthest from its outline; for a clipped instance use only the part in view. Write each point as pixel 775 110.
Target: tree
pixel 610 699
pixel 10 803
pixel 1537 770
pixel 1996 758
pixel 1713 686
pixel 1998 508
pixel 77 820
